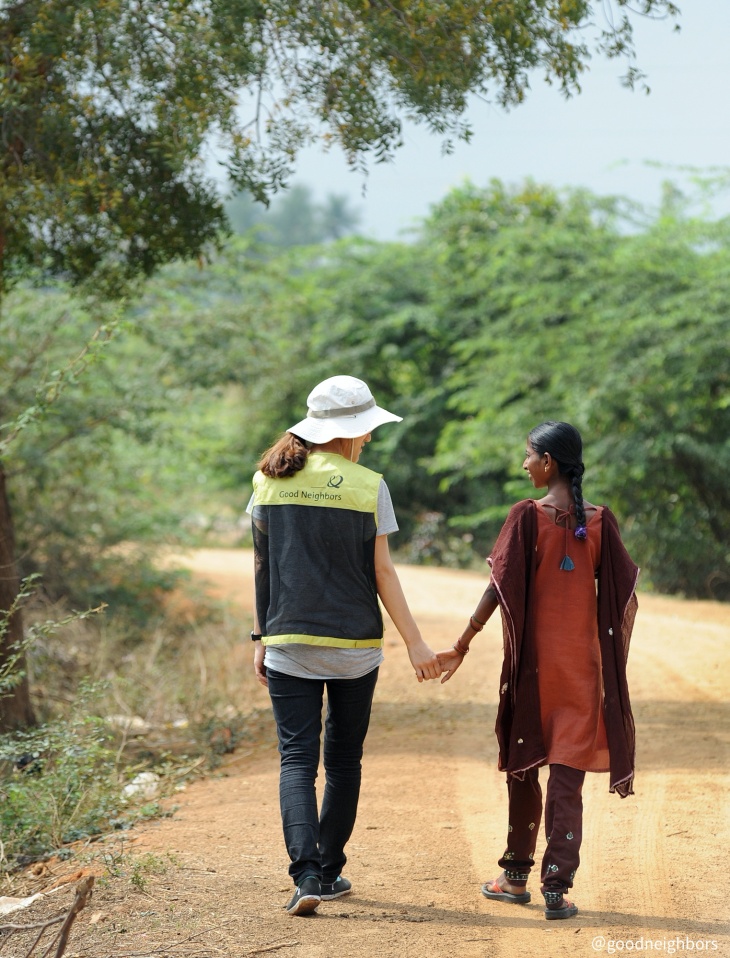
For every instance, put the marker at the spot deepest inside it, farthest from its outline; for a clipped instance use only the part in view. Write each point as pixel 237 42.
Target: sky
pixel 607 138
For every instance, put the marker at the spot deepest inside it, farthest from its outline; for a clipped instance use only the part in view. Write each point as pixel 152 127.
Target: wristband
pixel 256 636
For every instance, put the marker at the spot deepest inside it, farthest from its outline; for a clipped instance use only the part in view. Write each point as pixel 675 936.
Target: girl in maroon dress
pixel 565 586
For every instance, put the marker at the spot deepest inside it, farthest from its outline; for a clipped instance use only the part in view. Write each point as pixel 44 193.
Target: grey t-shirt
pixel 320 662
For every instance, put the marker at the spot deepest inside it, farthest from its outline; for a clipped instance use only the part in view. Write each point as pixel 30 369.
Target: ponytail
pixel 286 457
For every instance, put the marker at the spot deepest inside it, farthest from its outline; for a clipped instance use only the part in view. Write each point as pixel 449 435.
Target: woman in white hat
pixel 320 527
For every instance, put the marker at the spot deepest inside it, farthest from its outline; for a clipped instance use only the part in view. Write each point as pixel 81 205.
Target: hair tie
pixel 581 532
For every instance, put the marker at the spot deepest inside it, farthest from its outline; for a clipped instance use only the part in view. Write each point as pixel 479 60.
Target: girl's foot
pixel 557 907
pixel 501 889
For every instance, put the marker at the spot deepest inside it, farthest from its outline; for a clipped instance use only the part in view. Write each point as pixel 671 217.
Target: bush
pixel 58 783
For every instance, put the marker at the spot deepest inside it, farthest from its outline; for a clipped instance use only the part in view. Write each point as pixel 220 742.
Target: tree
pixel 294 218
pixel 559 312
pixel 109 105
pixel 108 108
pixel 527 258
pixel 338 218
pixel 567 306
pixel 663 421
pixel 565 313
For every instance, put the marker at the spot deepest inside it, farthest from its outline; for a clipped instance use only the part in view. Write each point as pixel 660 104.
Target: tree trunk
pixel 15 708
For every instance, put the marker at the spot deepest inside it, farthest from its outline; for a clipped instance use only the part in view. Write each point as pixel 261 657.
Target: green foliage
pixel 109 106
pixel 58 783
pixel 282 324
pixel 622 334
pixel 435 541
pixel 11 667
pixel 93 483
pixel 294 218
pixel 668 418
pixel 145 867
pixel 517 305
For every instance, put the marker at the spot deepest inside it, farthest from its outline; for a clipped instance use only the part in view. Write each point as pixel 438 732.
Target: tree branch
pixel 83 896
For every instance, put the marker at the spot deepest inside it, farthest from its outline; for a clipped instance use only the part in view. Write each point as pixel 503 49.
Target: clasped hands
pixel 431 665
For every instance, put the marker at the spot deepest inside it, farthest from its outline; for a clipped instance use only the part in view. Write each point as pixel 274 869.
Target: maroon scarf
pixel 518 727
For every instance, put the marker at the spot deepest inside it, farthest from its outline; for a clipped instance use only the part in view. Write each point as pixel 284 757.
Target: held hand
pixel 424 661
pixel 449 660
pixel 258 663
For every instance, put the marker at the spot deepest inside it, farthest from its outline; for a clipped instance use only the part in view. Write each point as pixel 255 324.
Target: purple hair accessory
pixel 581 532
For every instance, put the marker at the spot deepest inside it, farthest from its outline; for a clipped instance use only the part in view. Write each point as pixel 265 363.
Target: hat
pixel 341 407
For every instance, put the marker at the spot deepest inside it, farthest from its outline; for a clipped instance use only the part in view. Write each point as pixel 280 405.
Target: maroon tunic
pixel 515 579
pixel 566 636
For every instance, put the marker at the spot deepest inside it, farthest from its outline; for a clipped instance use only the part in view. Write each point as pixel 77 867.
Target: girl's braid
pixel 576 476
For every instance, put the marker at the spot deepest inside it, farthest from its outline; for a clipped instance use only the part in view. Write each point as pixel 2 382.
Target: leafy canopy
pixel 560 311
pixel 110 106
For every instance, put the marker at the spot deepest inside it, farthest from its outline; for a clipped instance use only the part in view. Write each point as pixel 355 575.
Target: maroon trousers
pixel 563 827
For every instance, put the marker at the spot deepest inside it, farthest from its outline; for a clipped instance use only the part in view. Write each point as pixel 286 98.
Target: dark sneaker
pixel 341 886
pixel 306 898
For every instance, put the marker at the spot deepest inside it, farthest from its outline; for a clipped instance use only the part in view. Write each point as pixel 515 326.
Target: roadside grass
pixel 127 716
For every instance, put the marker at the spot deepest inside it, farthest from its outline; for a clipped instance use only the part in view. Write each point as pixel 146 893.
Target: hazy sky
pixel 604 139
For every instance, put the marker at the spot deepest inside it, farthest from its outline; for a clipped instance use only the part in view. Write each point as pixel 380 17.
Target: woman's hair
pixel 285 458
pixel 565 445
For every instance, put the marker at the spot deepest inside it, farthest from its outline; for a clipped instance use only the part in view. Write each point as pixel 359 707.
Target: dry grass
pixel 188 669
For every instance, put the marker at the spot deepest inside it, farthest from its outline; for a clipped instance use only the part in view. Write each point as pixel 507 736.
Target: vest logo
pixel 336 481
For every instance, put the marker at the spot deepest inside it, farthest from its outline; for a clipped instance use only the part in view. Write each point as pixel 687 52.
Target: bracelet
pixel 479 625
pixel 256 636
pixel 457 647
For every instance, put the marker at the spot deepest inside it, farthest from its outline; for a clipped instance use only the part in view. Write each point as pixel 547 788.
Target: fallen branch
pixel 83 895
pixel 284 944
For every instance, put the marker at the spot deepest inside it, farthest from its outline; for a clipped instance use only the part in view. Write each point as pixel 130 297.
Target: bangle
pixel 479 625
pixel 458 647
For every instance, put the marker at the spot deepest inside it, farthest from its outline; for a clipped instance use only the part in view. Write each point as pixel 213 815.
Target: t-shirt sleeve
pixel 387 522
pixel 257 513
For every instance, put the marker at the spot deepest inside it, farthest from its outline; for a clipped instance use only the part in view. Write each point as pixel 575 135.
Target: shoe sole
pixel 560 913
pixel 523 899
pixel 339 894
pixel 306 905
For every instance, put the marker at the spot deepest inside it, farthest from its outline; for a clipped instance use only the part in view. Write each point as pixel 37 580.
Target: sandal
pixel 492 890
pixel 557 907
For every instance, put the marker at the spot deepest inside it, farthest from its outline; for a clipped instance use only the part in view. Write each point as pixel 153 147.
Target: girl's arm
pixel 451 659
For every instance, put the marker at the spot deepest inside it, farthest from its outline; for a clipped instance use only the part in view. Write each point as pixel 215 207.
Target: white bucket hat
pixel 341 407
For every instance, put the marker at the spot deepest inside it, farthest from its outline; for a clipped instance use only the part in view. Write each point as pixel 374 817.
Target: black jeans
pixel 316 841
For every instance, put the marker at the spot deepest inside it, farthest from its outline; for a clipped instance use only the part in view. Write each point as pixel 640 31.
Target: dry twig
pixel 83 895
pixel 283 944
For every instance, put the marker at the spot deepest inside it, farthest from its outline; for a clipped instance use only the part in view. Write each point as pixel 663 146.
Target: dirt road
pixel 432 820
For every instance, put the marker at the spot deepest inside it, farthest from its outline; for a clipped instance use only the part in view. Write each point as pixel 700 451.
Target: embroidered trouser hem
pixel 563 826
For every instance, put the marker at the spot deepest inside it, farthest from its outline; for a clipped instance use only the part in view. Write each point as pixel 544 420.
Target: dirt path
pixel 432 818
